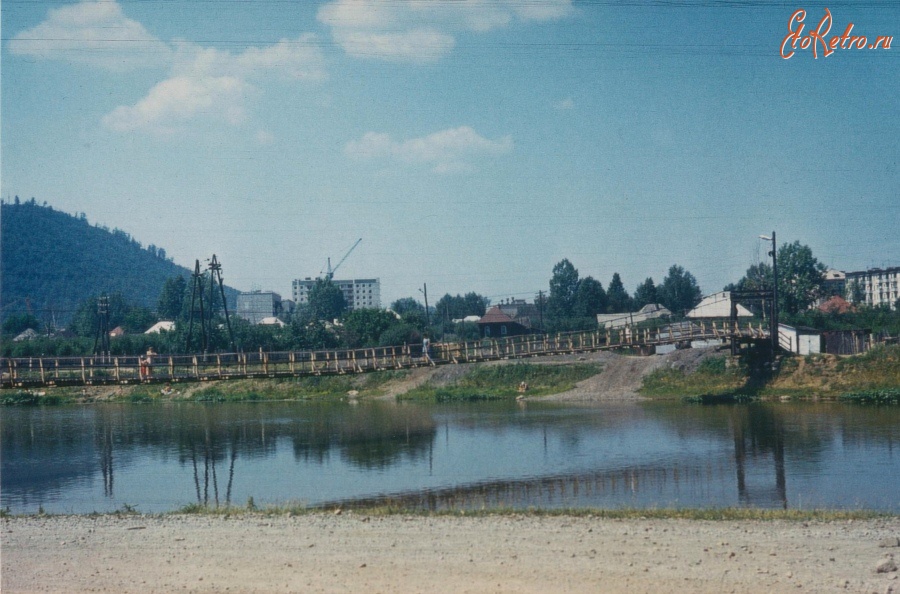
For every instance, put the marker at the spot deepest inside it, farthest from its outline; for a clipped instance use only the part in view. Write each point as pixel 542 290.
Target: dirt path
pixel 355 553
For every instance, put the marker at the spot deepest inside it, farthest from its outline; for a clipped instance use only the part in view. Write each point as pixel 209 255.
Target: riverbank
pixel 325 552
pixel 587 377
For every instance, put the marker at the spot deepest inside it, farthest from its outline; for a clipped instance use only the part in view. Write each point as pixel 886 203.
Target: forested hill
pixel 56 261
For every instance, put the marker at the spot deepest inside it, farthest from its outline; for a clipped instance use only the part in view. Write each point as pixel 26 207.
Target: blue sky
pixel 471 144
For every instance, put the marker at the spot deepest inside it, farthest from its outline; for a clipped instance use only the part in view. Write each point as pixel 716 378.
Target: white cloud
pixel 295 59
pixel 422 30
pixel 203 82
pixel 264 137
pixel 177 100
pixel 93 33
pixel 566 104
pixel 446 151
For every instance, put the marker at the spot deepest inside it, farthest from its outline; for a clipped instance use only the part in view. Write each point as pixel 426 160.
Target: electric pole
pixel 425 292
pixel 215 269
pixel 102 336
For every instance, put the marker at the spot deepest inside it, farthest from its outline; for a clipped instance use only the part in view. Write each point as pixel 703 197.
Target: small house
pixel 496 324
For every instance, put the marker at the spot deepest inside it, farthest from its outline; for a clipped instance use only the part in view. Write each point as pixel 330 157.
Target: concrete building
pixel 880 286
pixel 359 293
pixel 258 305
pixel 835 283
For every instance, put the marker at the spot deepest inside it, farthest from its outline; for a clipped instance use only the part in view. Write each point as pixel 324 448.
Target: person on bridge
pixel 147 364
pixel 426 344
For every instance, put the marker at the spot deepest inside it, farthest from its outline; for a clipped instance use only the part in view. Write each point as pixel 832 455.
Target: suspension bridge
pixel 99 370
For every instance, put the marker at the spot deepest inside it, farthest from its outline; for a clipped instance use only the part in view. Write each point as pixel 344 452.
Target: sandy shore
pixel 357 553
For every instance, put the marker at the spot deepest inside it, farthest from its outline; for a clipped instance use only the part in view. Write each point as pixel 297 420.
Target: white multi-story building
pixel 358 293
pixel 880 286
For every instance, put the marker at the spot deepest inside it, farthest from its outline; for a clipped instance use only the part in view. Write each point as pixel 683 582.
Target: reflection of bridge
pixel 604 488
pixel 105 370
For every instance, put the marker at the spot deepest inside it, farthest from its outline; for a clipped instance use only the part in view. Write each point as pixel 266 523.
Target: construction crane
pixel 330 271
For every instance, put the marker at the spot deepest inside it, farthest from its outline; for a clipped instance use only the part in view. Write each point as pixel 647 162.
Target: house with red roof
pixel 496 324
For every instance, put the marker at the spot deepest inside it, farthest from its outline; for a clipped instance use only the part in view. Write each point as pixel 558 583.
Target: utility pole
pixel 774 318
pixel 541 308
pixel 196 293
pixel 215 270
pixel 427 315
pixel 102 336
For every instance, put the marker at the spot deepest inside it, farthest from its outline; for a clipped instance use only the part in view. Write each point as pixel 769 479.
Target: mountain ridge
pixel 50 261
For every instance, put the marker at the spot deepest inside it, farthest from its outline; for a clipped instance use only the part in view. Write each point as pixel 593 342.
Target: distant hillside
pixel 56 260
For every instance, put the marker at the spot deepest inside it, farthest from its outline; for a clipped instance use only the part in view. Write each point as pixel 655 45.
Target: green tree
pixel 590 298
pixel 326 300
pixel 617 296
pixel 400 334
pixel 757 277
pixel 18 323
pixel 856 292
pixel 455 307
pixel 801 278
pixel 364 327
pixel 476 305
pixel 407 304
pixel 645 294
pixel 679 291
pixel 138 319
pixel 563 286
pixel 170 304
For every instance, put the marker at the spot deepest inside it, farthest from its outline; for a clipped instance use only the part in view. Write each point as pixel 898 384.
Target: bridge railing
pixel 192 367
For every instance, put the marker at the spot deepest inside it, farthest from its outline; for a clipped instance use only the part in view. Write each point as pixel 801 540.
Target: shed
pixel 799 339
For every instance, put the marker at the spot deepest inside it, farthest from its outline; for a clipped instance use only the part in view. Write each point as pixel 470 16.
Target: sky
pixel 471 144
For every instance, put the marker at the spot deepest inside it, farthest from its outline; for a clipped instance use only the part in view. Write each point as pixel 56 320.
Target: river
pixel 161 457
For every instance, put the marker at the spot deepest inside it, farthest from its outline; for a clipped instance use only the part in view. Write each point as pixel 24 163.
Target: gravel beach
pixel 353 552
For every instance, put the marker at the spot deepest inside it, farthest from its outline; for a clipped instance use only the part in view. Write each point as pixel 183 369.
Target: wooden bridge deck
pixel 37 372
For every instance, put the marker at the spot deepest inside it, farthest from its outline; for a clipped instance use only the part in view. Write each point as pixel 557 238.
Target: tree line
pixel 325 322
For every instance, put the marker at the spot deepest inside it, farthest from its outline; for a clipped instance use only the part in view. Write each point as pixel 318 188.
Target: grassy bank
pixel 873 377
pixel 712 376
pixel 630 513
pixel 501 382
pixel 304 388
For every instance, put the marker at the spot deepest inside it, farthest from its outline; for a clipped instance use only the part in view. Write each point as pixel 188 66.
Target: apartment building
pixel 359 293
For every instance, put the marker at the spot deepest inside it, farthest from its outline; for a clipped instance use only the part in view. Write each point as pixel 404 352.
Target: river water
pixel 154 458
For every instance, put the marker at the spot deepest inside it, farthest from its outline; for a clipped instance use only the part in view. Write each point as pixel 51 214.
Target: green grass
pixel 30 398
pixel 886 396
pixel 303 388
pixel 702 514
pixel 711 379
pixel 501 382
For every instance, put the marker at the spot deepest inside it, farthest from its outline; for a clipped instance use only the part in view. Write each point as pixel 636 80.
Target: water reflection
pixel 759 433
pixel 97 458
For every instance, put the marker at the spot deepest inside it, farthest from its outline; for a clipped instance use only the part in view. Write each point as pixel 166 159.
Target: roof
pixel 162 326
pixel 117 331
pixel 718 305
pixel 466 319
pixel 659 310
pixel 28 334
pixel 271 321
pixel 836 304
pixel 495 316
